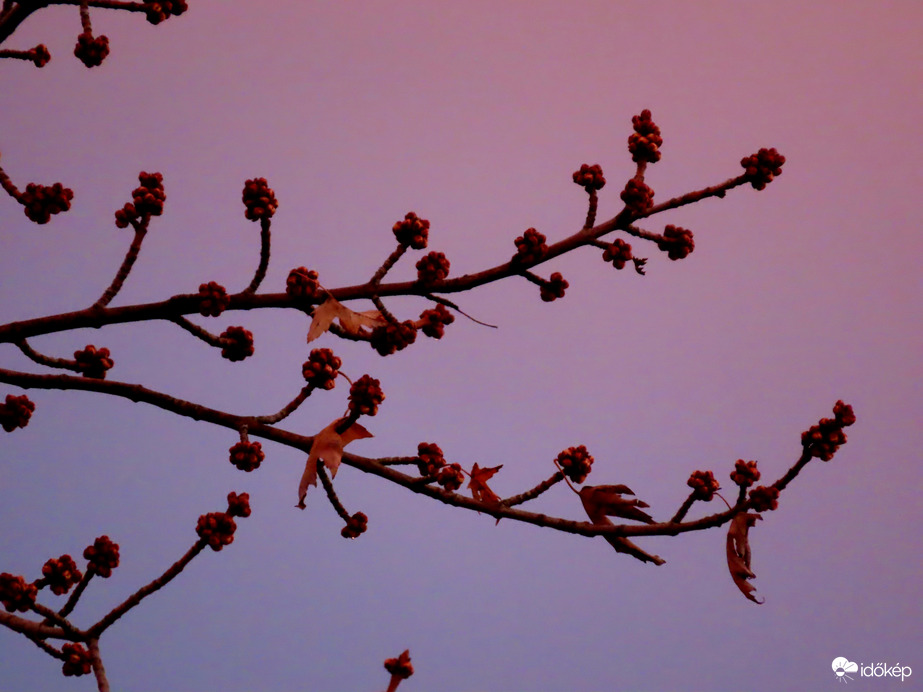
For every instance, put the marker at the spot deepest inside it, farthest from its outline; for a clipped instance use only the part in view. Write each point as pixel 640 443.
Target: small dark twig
pixel 127 264
pixel 683 509
pixel 197 331
pixel 288 409
pixel 260 273
pixel 42 359
pixel 556 478
pixel 331 493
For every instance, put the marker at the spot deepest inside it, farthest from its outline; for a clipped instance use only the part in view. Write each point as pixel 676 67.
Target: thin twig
pixel 127 264
pixel 96 630
pixel 260 273
pixel 556 478
pixel 197 331
pixel 331 493
pixel 42 359
pixel 288 409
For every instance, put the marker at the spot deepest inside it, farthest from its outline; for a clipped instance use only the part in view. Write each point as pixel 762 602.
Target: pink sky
pixel 475 115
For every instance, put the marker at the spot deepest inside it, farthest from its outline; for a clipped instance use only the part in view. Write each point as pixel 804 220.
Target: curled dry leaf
pixel 478 484
pixel 738 548
pixel 604 501
pixel 327 447
pixel 351 321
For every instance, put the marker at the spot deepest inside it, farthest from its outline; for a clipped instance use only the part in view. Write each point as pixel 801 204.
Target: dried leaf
pixel 351 321
pixel 327 447
pixel 478 484
pixel 738 549
pixel 607 500
pixel 604 501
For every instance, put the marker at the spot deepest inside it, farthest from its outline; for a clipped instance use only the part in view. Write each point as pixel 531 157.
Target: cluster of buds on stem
pixel 15 412
pixel 93 363
pixel 146 200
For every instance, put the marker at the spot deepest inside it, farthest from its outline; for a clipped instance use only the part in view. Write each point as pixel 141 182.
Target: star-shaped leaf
pixel 478 484
pixel 331 309
pixel 604 501
pixel 327 447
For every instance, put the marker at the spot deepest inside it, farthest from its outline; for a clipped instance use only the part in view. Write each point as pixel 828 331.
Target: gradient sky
pixel 475 115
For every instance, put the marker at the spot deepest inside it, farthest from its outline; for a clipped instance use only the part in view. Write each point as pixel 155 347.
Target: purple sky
pixel 475 115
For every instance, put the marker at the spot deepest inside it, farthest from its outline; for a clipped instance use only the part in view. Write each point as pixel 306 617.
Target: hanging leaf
pixel 604 501
pixel 331 309
pixel 738 549
pixel 327 447
pixel 478 484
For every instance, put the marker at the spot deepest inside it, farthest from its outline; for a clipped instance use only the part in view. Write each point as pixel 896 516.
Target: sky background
pixel 475 115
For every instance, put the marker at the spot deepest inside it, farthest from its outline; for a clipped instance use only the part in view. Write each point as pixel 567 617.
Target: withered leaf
pixel 604 501
pixel 331 309
pixel 478 484
pixel 738 549
pixel 327 447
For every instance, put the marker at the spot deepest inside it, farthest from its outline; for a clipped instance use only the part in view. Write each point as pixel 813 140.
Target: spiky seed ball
pixel 321 369
pixel 553 288
pixel 247 456
pixel 435 320
pixel 236 343
pixel 365 395
pixel 302 283
pixel 763 498
pixel 102 556
pixel 745 473
pixel 530 247
pixel 259 200
pixel 412 231
pixel 16 412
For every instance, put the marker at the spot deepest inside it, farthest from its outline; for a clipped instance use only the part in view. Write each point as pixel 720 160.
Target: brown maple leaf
pixel 478 484
pixel 331 309
pixel 604 501
pixel 327 447
pixel 738 549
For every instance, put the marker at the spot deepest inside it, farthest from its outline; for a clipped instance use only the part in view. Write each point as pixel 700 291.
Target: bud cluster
pixel 822 440
pixel 677 242
pixel 355 526
pixel 236 343
pixel 762 167
pixel 321 369
pixel 450 477
pixel 763 498
pixel 301 283
pixel 102 556
pixel 213 299
pixel 400 666
pixel 15 412
pixel 163 9
pixel 259 200
pixel 576 463
pixel 412 231
pixel 41 201
pixel 590 178
pixel 637 196
pixel 365 395
pixel 553 288
pixel 217 529
pixel 93 363
pixel 40 55
pixel 530 247
pixel 393 337
pixel 247 456
pixel 16 594
pixel 61 574
pixel 146 200
pixel 239 505
pixel 645 142
pixel 704 485
pixel 435 320
pixel 91 51
pixel 77 660
pixel 618 252
pixel 745 473
pixel 429 458
pixel 432 268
